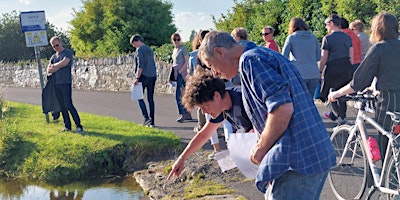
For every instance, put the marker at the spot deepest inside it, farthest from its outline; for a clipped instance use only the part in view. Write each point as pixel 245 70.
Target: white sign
pixel 33 21
pixel 36 38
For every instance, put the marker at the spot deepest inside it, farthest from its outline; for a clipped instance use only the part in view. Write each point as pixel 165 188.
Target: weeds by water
pixel 31 148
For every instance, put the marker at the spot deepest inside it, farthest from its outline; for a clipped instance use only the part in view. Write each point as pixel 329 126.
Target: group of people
pixel 294 152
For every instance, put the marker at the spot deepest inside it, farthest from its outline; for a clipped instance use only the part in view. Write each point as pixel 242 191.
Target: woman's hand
pixel 333 96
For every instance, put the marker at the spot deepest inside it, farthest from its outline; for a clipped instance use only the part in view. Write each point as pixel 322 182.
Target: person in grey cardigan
pixel 303 50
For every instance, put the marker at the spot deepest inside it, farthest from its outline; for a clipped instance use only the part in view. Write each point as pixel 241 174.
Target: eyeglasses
pixel 177 39
pixel 54 46
pixel 264 34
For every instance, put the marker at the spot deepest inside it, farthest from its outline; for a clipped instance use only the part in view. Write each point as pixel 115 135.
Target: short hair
pixel 55 38
pixel 214 39
pixel 200 88
pixel 136 38
pixel 344 24
pixel 297 24
pixel 357 24
pixel 335 19
pixel 175 35
pixel 270 29
pixel 384 26
pixel 240 33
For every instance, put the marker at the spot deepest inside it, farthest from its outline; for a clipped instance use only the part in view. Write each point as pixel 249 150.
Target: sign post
pixel 34 25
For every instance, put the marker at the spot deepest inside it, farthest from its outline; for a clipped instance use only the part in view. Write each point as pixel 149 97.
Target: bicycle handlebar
pixel 360 96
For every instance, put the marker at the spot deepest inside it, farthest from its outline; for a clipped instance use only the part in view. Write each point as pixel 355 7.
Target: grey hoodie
pixel 303 50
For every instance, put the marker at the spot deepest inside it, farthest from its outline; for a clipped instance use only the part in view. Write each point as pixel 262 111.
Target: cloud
pixel 187 21
pixel 61 18
pixel 184 16
pixel 25 1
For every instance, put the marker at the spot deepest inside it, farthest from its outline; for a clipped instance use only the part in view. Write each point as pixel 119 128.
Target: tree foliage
pixel 104 27
pixel 13 46
pixel 255 14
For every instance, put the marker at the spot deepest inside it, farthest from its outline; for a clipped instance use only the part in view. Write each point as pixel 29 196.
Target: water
pixel 94 190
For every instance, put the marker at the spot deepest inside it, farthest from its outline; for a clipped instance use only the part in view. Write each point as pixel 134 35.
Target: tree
pixel 104 27
pixel 192 35
pixel 254 14
pixel 13 46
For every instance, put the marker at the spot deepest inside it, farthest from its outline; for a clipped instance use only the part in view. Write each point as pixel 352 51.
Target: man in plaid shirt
pixel 294 152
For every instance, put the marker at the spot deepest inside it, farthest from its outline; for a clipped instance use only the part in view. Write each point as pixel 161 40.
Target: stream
pixel 123 189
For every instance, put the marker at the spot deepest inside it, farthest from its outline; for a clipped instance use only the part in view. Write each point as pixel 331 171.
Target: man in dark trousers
pixel 60 66
pixel 146 74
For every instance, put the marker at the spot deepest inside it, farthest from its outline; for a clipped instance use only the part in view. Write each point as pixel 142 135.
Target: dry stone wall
pixel 100 74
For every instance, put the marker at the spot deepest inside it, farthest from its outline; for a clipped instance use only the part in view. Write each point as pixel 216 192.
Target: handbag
pixel 172 74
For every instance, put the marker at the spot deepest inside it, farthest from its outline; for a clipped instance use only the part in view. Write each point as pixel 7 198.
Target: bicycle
pixel 355 167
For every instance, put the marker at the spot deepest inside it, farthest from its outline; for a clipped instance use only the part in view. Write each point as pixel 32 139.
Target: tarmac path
pixel 119 105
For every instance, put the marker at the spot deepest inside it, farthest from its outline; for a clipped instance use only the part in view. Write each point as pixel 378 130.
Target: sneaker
pixel 184 117
pixel 65 130
pixel 330 115
pixel 327 115
pixel 211 156
pixel 146 122
pixel 341 121
pixel 79 130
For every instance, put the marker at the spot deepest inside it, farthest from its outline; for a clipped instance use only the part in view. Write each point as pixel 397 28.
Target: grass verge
pixel 31 148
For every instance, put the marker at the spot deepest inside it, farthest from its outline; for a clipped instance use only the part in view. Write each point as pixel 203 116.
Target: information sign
pixel 33 21
pixel 36 38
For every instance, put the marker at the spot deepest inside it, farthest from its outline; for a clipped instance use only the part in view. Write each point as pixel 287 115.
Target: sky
pixel 188 14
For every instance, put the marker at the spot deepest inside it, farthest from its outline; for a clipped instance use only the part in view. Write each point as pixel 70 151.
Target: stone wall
pixel 102 74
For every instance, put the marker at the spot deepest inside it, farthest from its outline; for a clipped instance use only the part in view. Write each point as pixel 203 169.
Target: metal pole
pixel 37 56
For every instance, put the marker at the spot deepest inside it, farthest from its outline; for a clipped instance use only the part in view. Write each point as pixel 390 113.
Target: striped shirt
pixel 268 81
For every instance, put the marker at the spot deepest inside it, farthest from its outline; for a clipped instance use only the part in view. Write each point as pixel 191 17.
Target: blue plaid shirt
pixel 268 81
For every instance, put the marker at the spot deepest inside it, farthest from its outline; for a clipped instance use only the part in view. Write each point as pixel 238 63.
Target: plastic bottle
pixel 374 149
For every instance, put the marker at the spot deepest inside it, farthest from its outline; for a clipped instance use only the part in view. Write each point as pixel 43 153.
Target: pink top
pixel 272 45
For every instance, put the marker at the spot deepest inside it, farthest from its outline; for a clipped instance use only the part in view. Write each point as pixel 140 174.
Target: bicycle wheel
pixel 391 179
pixel 348 177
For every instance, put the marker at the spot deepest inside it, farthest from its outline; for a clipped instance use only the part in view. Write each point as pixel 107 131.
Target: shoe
pixel 341 121
pixel 79 130
pixel 56 120
pixel 211 156
pixel 327 115
pixel 197 129
pixel 330 115
pixel 65 130
pixel 184 117
pixel 146 122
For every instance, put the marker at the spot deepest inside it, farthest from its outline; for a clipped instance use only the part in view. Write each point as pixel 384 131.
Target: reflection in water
pixel 115 189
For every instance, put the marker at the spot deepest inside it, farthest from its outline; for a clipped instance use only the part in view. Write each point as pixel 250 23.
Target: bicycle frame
pixel 360 125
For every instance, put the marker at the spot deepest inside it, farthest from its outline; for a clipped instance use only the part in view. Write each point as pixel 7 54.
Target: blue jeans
pixel 292 185
pixel 180 85
pixel 64 97
pixel 311 85
pixel 148 84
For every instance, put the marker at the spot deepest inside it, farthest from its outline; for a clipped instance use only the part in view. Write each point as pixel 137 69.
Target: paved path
pixel 119 105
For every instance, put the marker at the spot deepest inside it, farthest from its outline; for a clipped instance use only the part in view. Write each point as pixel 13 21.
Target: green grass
pixel 31 148
pixel 200 188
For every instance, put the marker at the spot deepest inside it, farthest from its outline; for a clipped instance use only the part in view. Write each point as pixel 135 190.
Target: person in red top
pixel 355 42
pixel 268 35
